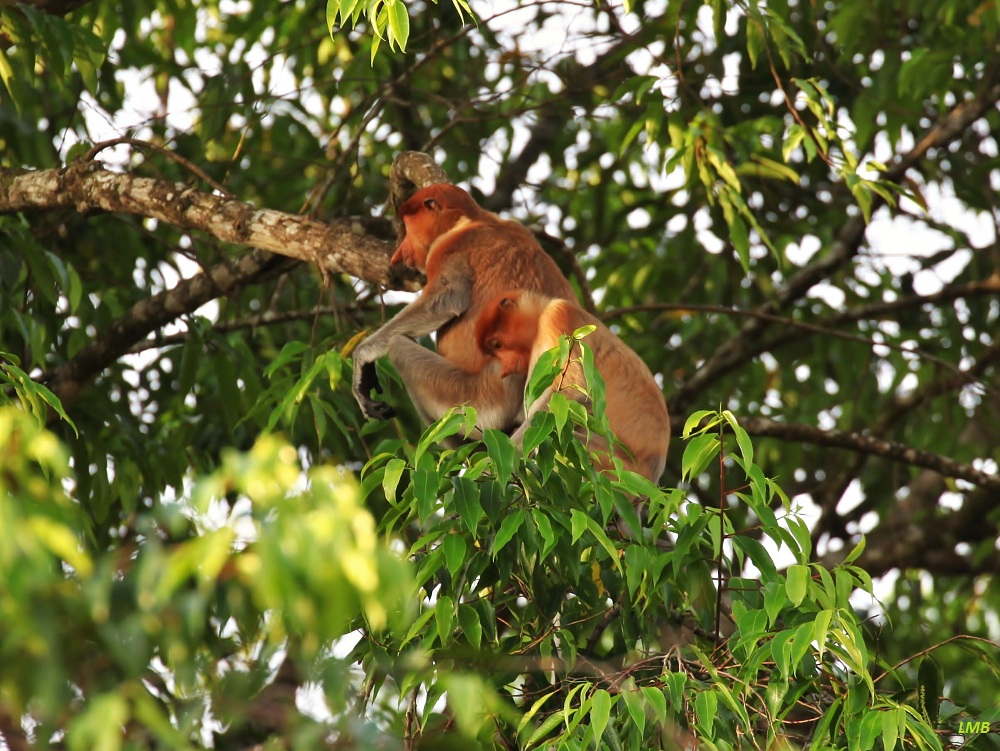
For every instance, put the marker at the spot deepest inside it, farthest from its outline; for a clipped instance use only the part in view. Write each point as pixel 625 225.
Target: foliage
pixel 787 209
pixel 187 611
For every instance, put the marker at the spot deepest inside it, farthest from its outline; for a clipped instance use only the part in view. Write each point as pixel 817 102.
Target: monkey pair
pixel 497 302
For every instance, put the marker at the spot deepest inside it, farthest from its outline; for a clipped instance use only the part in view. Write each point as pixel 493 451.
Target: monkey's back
pixel 635 405
pixel 502 256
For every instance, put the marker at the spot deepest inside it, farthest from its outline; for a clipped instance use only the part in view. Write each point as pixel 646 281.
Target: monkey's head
pixel 428 214
pixel 506 330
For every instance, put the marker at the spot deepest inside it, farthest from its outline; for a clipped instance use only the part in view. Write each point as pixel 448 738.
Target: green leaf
pixel 390 480
pixel 675 685
pixel 578 524
pixel 890 731
pixel 871 727
pixel 797 583
pixel 545 371
pixel 600 713
pixel 502 451
pixel 699 451
pixel 544 526
pixel 542 426
pixel 774 693
pixel 100 725
pixel 657 701
pixel 801 644
pixel 7 76
pixel 472 627
pixel 768 169
pixel 742 439
pixel 636 708
pixel 399 23
pixel 706 704
pixel 856 551
pixel 781 653
pixel 444 616
pixel 533 711
pixel 695 419
pixel 508 528
pixel 820 627
pixel 760 558
pixel 454 552
pixel 756 42
pixel 467 501
pixel 600 535
pixel 425 487
pixel 774 600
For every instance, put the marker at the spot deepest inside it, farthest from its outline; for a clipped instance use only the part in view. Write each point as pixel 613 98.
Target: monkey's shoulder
pixel 566 316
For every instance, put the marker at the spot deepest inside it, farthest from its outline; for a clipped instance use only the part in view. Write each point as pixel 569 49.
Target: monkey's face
pixel 426 220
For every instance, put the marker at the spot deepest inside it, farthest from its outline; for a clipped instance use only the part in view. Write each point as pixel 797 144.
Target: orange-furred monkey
pixel 469 256
pixel 517 327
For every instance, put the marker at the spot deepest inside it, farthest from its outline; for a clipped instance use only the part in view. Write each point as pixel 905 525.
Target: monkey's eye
pixel 431 204
pixel 494 344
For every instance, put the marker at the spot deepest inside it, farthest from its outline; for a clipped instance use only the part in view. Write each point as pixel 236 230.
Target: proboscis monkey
pixel 516 327
pixel 469 256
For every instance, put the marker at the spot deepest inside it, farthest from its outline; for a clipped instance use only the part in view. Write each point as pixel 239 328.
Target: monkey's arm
pixel 436 384
pixel 442 300
pixel 541 404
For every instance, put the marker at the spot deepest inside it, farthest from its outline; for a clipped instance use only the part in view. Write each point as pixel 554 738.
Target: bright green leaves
pixel 35 397
pixel 318 559
pixel 46 44
pixel 41 525
pixel 796 581
pixel 388 19
pixel 550 557
pixel 290 559
pixel 700 148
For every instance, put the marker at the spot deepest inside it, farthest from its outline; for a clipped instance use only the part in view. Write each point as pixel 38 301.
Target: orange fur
pixel 469 255
pixel 517 327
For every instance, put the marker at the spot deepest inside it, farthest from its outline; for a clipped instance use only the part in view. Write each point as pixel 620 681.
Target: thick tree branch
pixel 337 247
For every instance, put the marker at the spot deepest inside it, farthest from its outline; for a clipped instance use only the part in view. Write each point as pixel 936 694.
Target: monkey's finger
pixel 378 410
pixel 368 379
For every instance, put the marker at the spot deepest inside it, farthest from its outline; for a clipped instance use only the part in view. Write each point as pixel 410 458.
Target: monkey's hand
pixel 366 379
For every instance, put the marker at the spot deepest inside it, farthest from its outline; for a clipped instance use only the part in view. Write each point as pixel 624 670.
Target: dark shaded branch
pixel 761 426
pixel 800 325
pixel 514 173
pixel 270 714
pixel 912 539
pixel 145 316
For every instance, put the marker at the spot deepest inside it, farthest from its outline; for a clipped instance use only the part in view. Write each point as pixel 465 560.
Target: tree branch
pixel 761 426
pixel 338 247
pixel 145 316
